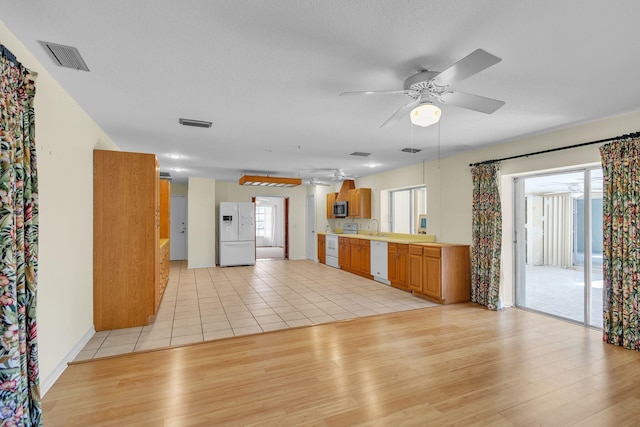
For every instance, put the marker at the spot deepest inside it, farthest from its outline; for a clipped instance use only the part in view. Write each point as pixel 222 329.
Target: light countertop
pixel 389 237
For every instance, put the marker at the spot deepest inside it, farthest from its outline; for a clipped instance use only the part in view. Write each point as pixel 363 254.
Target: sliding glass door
pixel 559 244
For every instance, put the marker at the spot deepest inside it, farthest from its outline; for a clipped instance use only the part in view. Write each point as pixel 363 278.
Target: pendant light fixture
pixel 425 114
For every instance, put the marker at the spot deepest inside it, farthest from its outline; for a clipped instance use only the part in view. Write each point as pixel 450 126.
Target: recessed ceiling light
pixel 178 169
pixel 372 165
pixel 175 156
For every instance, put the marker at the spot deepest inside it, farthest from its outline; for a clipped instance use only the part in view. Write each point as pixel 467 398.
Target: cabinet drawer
pixel 392 247
pixel 403 248
pixel 415 250
pixel 365 242
pixel 431 252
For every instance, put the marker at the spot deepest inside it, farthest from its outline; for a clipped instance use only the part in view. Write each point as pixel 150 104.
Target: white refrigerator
pixel 237 233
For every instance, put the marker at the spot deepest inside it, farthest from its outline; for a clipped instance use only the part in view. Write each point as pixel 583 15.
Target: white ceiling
pixel 268 75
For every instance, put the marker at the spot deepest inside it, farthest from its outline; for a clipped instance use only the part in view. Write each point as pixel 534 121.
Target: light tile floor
pixel 213 303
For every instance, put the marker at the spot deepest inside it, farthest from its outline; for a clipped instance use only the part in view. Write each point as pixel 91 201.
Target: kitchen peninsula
pixel 440 272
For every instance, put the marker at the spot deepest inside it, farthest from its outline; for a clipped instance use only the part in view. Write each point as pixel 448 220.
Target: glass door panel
pixel 559 245
pixel 595 306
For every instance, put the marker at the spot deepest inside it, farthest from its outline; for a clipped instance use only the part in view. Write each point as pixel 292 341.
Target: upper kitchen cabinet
pixel 126 239
pixel 331 199
pixel 360 203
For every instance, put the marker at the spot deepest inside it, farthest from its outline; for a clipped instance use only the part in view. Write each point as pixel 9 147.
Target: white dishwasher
pixel 379 260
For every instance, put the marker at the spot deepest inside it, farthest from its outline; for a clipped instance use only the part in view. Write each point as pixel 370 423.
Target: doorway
pixel 271 223
pixel 559 244
pixel 178 228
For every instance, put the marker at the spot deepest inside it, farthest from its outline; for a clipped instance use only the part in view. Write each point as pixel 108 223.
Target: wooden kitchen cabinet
pixel 360 203
pixel 365 257
pixel 398 265
pixel 164 271
pixel 322 248
pixel 165 208
pixel 331 198
pixel 415 268
pixel 355 255
pixel 126 239
pixel 444 274
pixel 431 273
pixel 344 253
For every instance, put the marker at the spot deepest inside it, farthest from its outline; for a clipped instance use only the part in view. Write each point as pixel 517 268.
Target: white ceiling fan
pixel 427 87
pixel 339 175
pixel 315 182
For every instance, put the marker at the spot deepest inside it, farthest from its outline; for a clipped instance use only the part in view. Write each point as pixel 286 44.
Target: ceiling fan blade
pixel 381 92
pixel 401 112
pixel 471 64
pixel 472 102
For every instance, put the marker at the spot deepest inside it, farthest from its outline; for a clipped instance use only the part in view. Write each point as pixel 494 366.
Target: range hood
pixel 343 195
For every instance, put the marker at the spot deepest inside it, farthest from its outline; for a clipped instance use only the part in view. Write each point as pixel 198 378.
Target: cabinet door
pixel 364 202
pixel 322 249
pixel 344 252
pixel 354 205
pixel 415 268
pixel 355 254
pixel 392 262
pixel 432 285
pixel 403 265
pixel 365 256
pixel 331 198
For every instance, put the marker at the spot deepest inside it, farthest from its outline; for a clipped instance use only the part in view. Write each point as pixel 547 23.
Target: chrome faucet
pixel 377 226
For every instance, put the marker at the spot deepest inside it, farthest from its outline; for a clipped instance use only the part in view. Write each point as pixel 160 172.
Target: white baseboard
pixel 201 266
pixel 51 379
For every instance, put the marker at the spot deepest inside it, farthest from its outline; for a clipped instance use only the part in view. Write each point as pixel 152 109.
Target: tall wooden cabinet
pixel 126 239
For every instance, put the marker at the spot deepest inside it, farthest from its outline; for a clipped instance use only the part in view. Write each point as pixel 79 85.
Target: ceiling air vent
pixel 360 154
pixel 195 123
pixel 65 56
pixel 411 150
pixel 165 175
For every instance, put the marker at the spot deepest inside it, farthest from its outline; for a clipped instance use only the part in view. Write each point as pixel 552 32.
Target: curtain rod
pixel 7 53
pixel 600 141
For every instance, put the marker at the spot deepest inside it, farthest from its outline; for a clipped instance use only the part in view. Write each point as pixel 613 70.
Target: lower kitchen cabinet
pixel 322 248
pixel 344 253
pixel 355 256
pixel 444 272
pixel 415 268
pixel 398 265
pixel 440 272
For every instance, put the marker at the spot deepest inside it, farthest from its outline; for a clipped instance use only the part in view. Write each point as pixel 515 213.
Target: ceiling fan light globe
pixel 425 115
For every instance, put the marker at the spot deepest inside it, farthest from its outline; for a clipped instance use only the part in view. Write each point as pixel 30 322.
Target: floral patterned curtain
pixel 621 235
pixel 487 236
pixel 19 377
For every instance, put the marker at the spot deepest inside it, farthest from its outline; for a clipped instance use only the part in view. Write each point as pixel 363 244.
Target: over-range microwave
pixel 340 209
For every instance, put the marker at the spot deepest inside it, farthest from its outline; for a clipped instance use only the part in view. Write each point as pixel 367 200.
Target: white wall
pixel 65 138
pixel 201 212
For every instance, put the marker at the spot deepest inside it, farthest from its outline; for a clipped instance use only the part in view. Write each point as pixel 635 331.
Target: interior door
pixel 178 228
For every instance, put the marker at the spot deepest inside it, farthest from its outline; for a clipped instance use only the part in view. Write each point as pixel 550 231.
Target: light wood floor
pixel 459 364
